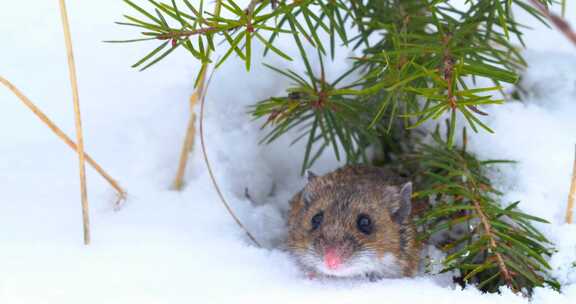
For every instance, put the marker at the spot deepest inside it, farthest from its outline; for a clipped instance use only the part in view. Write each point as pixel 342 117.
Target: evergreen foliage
pixel 418 60
pixel 497 245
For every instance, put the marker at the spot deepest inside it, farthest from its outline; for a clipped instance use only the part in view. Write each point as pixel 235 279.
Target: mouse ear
pixel 310 176
pixel 405 203
pixel 307 191
pixel 306 196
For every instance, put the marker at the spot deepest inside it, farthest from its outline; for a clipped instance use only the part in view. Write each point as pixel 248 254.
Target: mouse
pixel 354 222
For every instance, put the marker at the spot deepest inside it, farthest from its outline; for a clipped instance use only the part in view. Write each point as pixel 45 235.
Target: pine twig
pixel 212 29
pixel 56 130
pixel 571 195
pixel 494 246
pixel 205 154
pixel 78 121
pixel 186 34
pixel 448 71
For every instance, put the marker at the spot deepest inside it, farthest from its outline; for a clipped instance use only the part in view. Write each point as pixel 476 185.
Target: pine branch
pixel 326 115
pixel 418 61
pixel 213 29
pixel 500 246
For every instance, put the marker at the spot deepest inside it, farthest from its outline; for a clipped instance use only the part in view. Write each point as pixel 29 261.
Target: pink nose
pixel 332 259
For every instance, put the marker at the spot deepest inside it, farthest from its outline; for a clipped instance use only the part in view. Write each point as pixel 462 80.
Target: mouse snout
pixel 335 253
pixel 332 258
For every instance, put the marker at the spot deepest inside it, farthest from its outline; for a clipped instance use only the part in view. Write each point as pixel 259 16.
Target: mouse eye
pixel 317 220
pixel 364 224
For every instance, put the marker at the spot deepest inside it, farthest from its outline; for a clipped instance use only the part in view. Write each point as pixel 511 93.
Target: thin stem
pixel 448 71
pixel 78 121
pixel 28 103
pixel 212 178
pixel 571 195
pixel 185 34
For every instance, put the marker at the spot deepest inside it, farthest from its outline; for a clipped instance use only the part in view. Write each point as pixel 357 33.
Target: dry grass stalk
pixel 78 121
pixel 571 195
pixel 188 144
pixel 205 154
pixel 28 103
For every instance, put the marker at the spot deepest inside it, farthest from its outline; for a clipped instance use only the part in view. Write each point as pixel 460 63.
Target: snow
pixel 172 247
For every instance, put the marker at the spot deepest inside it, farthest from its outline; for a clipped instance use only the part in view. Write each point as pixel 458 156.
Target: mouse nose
pixel 332 258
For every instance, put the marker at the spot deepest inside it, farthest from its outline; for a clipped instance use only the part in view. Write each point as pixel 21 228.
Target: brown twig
pixel 494 246
pixel 28 103
pixel 558 21
pixel 78 121
pixel 205 154
pixel 571 195
pixel 249 12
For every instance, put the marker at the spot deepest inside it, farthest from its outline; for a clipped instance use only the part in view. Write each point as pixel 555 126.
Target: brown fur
pixel 342 195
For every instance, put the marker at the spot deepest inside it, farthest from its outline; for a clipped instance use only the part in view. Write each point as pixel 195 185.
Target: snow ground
pixel 174 247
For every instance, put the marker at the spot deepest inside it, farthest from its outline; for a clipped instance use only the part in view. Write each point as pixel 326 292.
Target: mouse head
pixel 350 229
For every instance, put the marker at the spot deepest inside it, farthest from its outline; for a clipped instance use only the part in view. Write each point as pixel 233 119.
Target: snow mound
pixel 174 247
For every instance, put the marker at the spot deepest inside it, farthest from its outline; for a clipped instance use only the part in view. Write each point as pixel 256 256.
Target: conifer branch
pixel 501 246
pixel 416 62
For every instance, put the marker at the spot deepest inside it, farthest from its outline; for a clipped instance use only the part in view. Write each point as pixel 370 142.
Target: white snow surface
pixel 165 246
